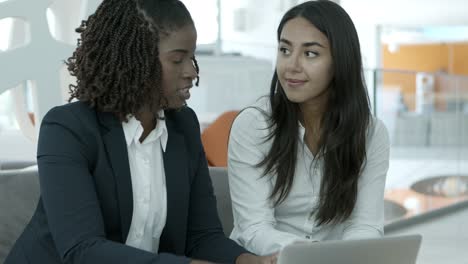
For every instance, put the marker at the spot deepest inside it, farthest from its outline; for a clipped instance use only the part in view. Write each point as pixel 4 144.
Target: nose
pixel 190 71
pixel 293 63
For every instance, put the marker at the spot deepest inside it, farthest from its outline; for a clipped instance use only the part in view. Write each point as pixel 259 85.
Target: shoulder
pixel 252 129
pixel 77 119
pixel 254 117
pixel 377 129
pixel 377 137
pixel 70 113
pixel 72 127
pixel 184 120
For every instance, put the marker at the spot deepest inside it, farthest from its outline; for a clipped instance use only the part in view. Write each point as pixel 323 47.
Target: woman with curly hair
pixel 310 163
pixel 122 170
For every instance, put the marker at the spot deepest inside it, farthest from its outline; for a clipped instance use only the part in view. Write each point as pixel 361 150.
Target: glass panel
pixel 426 115
pixel 7 115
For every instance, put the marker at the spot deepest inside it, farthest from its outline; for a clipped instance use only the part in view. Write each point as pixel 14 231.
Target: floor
pixel 445 238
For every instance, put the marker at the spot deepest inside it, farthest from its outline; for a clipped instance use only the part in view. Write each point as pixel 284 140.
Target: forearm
pixel 248 258
pixel 264 239
pixel 362 231
pixel 216 247
pixel 108 252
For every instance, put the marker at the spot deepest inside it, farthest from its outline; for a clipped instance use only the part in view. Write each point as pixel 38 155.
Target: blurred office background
pixel 415 55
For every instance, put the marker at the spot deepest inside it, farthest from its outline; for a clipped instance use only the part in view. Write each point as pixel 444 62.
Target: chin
pixel 295 99
pixel 177 105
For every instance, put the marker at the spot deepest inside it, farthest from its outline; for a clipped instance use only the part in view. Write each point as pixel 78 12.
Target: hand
pixel 305 241
pixel 247 258
pixel 194 261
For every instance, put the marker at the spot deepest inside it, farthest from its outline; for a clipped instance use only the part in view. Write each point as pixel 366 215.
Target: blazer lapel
pixel 114 141
pixel 176 168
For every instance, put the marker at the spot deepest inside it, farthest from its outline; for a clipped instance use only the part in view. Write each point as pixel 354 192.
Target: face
pixel 176 54
pixel 304 62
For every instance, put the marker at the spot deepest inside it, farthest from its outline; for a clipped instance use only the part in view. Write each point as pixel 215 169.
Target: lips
pixel 185 92
pixel 295 82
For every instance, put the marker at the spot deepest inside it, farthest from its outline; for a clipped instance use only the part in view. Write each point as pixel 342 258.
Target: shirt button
pixel 308 237
pixel 138 234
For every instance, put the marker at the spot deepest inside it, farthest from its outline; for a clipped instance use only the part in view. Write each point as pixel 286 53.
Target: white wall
pixel 249 27
pixel 408 13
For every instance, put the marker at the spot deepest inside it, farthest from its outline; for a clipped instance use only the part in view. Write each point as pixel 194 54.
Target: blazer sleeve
pixel 65 152
pixel 205 236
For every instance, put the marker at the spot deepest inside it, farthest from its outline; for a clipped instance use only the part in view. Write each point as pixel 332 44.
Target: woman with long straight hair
pixel 310 163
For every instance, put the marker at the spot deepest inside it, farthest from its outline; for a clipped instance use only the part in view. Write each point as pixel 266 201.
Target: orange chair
pixel 215 139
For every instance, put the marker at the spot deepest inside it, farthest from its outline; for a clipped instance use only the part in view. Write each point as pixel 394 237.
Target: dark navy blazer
pixel 86 204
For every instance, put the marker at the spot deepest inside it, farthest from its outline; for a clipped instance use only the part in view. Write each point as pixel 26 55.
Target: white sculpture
pixel 39 61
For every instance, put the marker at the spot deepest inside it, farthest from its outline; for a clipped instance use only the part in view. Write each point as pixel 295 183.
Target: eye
pixel 284 50
pixel 177 58
pixel 311 54
pixel 178 61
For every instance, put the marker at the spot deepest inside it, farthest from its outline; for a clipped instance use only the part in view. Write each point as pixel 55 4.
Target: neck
pixel 148 122
pixel 311 114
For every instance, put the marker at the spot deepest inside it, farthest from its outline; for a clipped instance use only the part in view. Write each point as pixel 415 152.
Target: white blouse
pixel 148 183
pixel 264 229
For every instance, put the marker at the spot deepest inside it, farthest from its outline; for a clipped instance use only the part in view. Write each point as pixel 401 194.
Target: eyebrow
pixel 305 44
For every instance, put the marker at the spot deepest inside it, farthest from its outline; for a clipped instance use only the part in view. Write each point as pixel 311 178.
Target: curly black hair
pixel 116 61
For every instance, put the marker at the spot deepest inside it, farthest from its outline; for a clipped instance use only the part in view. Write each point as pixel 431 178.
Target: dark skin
pixel 148 122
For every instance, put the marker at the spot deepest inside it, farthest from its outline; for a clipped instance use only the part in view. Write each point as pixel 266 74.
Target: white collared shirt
pixel 263 228
pixel 148 183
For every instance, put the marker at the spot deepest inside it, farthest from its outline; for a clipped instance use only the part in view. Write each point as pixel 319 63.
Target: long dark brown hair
pixel 344 124
pixel 116 62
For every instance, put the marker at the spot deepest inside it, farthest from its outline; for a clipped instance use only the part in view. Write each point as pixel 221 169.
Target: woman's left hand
pixel 247 258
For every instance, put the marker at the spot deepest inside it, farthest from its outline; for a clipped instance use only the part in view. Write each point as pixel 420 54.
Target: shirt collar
pixel 133 130
pixel 301 132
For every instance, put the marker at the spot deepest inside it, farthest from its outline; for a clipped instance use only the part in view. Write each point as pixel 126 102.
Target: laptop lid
pixel 385 250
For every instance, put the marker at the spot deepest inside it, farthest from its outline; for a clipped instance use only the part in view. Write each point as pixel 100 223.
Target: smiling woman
pixel 310 163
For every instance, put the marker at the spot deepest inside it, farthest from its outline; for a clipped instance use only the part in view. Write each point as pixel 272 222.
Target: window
pixel 5 28
pixel 205 15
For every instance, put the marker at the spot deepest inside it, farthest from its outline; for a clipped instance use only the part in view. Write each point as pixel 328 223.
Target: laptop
pixel 385 250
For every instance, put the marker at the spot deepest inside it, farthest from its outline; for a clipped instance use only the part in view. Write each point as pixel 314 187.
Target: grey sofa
pixel 15 164
pixel 19 194
pixel 219 177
